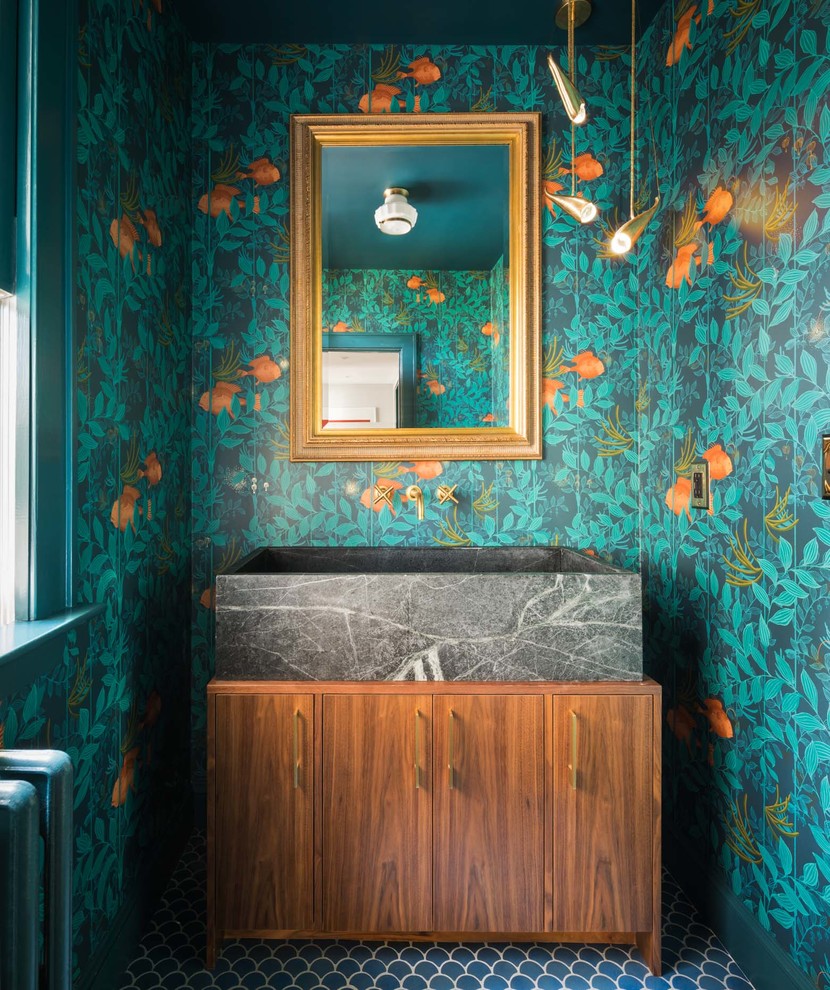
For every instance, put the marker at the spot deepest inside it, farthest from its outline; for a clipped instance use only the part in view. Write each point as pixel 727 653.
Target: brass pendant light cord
pixel 572 69
pixel 633 98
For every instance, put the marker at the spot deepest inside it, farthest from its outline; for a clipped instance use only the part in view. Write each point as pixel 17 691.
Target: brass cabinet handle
pixel 572 764
pixel 417 749
pixel 451 749
pixel 296 748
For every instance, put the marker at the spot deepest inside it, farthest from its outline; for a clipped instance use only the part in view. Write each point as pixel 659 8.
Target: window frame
pixel 44 282
pixel 8 141
pixel 45 264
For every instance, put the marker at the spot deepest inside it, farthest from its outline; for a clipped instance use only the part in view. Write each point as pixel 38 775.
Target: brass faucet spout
pixel 416 494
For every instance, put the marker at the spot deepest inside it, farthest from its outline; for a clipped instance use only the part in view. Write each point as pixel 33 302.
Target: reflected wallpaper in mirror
pixel 439 292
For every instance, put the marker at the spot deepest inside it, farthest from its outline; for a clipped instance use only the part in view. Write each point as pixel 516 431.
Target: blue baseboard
pixel 762 959
pixel 105 968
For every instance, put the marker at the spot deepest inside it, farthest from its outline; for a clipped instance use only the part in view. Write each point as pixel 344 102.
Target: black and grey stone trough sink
pixel 412 613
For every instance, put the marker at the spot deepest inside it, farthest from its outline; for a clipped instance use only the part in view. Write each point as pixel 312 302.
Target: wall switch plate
pixel 700 485
pixel 825 464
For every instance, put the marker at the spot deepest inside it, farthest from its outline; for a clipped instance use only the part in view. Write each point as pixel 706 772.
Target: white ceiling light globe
pixel 396 216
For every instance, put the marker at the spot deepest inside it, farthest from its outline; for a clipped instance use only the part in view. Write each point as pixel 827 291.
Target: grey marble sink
pixel 388 613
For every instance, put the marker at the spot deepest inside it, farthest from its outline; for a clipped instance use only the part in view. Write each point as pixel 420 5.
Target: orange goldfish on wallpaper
pixel 340 327
pixel 489 418
pixel 124 508
pixel 490 331
pixel 717 206
pixel 263 171
pixel 586 365
pixel 208 598
pixel 585 166
pixel 435 296
pixel 368 496
pixel 151 469
pixel 681 267
pixel 126 778
pixel 436 387
pixel 550 188
pixel 157 4
pixel 124 237
pixel 219 200
pixel 681 41
pixel 682 723
pixel 427 469
pixel 423 71
pixel 717 718
pixel 415 282
pixel 149 221
pixel 720 463
pixel 380 99
pixel 264 369
pixel 679 496
pixel 221 397
pixel 152 710
pixel 680 270
pixel 550 388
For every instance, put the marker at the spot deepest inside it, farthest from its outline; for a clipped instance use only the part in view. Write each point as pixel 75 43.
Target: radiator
pixel 47 776
pixel 18 885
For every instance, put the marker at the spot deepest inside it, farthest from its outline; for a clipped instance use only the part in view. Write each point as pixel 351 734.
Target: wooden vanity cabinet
pixel 435 811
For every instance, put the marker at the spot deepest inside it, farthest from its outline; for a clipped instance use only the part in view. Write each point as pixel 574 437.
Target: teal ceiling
pixel 460 194
pixel 490 22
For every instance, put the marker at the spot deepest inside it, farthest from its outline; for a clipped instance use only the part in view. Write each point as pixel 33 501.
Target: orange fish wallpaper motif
pixel 182 287
pixel 104 694
pixel 734 357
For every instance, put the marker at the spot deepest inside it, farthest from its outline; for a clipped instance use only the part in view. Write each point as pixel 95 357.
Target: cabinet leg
pixel 210 950
pixel 649 945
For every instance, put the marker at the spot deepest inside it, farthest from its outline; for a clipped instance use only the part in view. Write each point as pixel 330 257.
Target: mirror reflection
pixel 415 286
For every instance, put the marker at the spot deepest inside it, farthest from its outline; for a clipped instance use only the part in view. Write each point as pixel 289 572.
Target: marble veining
pixel 548 623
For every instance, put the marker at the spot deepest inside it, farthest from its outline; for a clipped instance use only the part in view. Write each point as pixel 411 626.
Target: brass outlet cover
pixel 700 486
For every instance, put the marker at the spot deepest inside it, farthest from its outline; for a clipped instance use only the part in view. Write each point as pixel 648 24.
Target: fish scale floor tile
pixel 171 956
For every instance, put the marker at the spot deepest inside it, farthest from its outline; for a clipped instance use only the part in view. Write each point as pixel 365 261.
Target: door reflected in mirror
pixel 369 381
pixel 416 242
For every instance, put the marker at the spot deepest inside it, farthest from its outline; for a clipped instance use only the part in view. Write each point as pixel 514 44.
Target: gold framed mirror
pixel 415 287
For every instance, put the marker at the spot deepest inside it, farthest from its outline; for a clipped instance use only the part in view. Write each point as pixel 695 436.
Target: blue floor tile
pixel 172 952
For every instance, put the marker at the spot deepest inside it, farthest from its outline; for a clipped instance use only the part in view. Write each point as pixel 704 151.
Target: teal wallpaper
pixel 734 366
pixel 459 319
pixel 246 492
pixel 709 341
pixel 118 700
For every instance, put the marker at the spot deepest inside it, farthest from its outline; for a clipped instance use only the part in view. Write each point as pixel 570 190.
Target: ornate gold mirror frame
pixel 522 439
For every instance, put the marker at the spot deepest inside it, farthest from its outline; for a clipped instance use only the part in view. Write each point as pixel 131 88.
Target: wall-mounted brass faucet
pixel 416 494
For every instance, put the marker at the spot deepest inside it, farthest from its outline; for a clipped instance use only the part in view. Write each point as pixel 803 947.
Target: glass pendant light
pixel 578 207
pixel 629 233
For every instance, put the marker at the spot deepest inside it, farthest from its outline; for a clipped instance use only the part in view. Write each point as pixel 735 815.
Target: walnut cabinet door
pixel 376 823
pixel 264 813
pixel 489 799
pixel 602 813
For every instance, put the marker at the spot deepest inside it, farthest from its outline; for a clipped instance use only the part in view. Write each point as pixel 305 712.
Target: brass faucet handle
pixel 447 494
pixel 383 493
